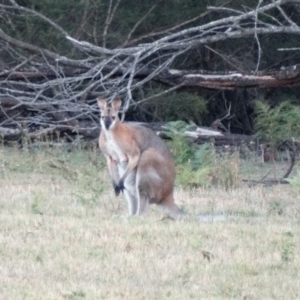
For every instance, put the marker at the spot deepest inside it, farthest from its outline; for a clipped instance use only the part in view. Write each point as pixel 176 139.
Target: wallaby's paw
pixel 119 188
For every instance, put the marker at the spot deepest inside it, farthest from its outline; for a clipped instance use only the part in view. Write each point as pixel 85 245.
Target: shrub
pixel 199 165
pixel 278 124
pixel 172 106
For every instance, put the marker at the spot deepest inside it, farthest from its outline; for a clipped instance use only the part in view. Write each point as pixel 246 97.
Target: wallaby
pixel 139 162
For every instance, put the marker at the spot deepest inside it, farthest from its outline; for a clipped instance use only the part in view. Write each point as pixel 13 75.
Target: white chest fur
pixel 114 149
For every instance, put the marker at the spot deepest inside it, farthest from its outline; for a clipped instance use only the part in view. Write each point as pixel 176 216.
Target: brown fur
pixel 139 162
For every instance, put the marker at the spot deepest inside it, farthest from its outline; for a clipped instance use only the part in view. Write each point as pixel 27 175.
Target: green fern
pixel 199 165
pixel 181 146
pixel 188 177
pixel 177 127
pixel 203 157
pixel 277 124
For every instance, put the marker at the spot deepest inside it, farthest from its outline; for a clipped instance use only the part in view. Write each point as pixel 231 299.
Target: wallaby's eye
pixel 113 117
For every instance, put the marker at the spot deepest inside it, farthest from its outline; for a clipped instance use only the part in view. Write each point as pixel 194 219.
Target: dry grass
pixel 63 235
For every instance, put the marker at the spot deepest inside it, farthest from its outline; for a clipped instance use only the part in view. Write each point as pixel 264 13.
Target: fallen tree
pixel 43 92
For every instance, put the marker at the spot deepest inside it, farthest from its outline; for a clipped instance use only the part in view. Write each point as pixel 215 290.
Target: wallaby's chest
pixel 114 149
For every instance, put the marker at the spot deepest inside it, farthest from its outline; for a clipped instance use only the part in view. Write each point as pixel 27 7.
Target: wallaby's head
pixel 109 113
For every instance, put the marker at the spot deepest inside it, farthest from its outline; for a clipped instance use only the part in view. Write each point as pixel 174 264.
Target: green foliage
pixel 181 146
pixel 174 106
pixel 188 177
pixel 193 163
pixel 184 106
pixel 277 124
pixel 203 157
pixel 199 165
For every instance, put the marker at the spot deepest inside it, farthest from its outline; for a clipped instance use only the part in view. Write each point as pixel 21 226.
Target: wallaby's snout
pixel 107 122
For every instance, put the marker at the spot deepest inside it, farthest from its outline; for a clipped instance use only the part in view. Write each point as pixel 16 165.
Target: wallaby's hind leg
pixel 130 193
pixel 132 202
pixel 147 194
pixel 148 182
pixel 155 180
pixel 143 202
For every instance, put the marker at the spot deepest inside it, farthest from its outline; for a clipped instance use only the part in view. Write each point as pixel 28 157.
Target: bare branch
pixel 138 23
pixel 107 23
pixel 168 30
pixel 256 36
pixel 84 18
pixel 288 49
pixel 285 15
pixel 110 15
pixel 35 49
pixel 228 21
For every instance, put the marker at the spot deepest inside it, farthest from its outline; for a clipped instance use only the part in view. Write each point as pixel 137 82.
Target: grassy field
pixel 64 235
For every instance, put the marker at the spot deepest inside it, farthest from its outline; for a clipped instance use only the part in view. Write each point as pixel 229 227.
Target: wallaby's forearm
pixel 114 174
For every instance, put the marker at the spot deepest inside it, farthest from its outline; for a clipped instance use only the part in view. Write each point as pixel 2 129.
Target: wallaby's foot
pixel 178 215
pixel 173 211
pixel 175 217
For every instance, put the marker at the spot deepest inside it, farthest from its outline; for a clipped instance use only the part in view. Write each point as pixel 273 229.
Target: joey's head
pixel 109 113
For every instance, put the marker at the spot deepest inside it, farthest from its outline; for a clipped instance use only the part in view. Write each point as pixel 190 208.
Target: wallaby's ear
pixel 116 104
pixel 102 103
